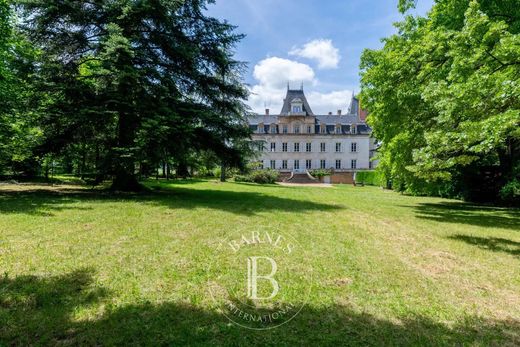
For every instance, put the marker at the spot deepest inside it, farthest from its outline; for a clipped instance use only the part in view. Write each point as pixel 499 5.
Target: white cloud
pixel 276 72
pixel 322 51
pixel 273 74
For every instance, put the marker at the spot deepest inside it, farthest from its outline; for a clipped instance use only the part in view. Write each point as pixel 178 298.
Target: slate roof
pixel 290 96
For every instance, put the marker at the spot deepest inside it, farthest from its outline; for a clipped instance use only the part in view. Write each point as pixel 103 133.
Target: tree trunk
pixel 222 173
pixel 125 178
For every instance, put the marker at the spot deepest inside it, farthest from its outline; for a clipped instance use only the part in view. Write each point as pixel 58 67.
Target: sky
pixel 314 42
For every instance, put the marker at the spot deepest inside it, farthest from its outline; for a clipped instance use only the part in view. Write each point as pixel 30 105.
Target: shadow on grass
pixel 495 244
pixel 465 213
pixel 44 201
pixel 41 311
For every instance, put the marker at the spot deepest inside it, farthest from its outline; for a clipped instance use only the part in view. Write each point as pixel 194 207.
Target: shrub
pixel 267 176
pixel 510 193
pixel 371 178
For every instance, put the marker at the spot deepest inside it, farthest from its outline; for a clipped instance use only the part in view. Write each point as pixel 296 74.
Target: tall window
pixel 297 165
pixel 296 146
pixel 284 147
pixel 353 147
pixel 273 129
pixel 273 146
pixel 261 128
pixel 322 147
pixel 338 129
pixel 309 129
pixel 284 164
pixel 338 147
pixel 308 164
pixel 353 128
pixel 323 129
pixel 285 129
pixel 353 163
pixel 308 147
pixel 261 147
pixel 338 164
pixel 323 164
pixel 297 129
pixel 296 109
pixel 273 164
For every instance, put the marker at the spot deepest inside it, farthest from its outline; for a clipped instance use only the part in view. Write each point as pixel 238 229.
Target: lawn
pixel 87 267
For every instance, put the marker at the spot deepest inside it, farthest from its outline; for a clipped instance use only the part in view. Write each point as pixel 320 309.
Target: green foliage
pixel 444 98
pixel 510 192
pixel 266 176
pixel 371 178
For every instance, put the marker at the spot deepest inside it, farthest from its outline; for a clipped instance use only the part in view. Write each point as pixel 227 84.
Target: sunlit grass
pixel 89 267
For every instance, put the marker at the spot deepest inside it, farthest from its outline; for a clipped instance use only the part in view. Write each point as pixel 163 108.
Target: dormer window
pixel 261 128
pixel 273 128
pixel 353 129
pixel 338 129
pixel 296 128
pixel 297 105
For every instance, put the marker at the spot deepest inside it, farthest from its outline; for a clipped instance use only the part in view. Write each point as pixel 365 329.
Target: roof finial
pixel 287 85
pixel 301 86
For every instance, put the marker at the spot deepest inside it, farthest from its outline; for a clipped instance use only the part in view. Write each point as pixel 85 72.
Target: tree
pixel 138 81
pixel 444 99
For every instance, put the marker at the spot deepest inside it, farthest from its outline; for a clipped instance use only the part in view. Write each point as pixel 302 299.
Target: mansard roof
pixel 293 94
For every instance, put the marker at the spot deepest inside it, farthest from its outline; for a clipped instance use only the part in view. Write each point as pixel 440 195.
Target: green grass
pixel 81 266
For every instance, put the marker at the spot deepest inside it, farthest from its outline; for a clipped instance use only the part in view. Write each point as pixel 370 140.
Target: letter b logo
pixel 253 277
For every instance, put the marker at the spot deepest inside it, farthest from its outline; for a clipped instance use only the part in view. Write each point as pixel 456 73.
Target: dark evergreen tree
pixel 136 81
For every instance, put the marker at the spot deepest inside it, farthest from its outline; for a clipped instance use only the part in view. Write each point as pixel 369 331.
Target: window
pixel 309 129
pixel 323 129
pixel 296 146
pixel 370 165
pixel 284 147
pixel 261 147
pixel 338 147
pixel 338 129
pixel 284 164
pixel 261 165
pixel 308 147
pixel 261 128
pixel 273 129
pixel 308 164
pixel 273 164
pixel 353 147
pixel 285 129
pixel 273 146
pixel 297 129
pixel 353 128
pixel 338 164
pixel 353 163
pixel 323 164
pixel 296 109
pixel 322 147
pixel 297 165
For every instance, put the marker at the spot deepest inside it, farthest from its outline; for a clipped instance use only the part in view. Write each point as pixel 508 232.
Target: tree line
pixel 118 88
pixel 443 96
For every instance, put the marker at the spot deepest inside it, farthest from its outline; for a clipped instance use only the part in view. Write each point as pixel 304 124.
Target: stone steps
pixel 301 178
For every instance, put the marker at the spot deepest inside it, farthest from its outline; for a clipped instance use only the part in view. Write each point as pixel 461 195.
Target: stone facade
pixel 296 140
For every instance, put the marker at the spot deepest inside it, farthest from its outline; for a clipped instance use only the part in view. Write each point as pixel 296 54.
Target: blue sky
pixel 317 42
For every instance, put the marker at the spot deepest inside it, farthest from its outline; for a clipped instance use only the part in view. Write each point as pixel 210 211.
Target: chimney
pixel 339 112
pixel 267 112
pixel 330 113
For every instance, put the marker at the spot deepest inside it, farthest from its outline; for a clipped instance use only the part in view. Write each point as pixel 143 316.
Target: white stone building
pixel 297 140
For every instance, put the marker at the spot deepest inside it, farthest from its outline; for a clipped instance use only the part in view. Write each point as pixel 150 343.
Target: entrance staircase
pixel 301 178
